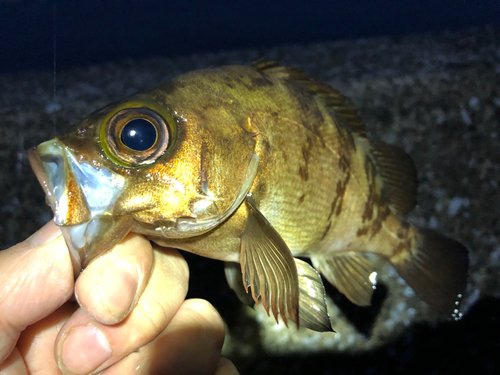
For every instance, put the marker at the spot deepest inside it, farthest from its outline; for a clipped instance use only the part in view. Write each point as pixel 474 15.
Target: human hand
pixel 131 316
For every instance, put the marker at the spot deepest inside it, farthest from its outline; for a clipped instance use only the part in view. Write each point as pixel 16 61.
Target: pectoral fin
pixel 312 299
pixel 268 267
pixel 351 273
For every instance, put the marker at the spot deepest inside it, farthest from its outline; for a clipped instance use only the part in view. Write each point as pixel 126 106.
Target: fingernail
pixel 117 288
pixel 45 234
pixel 84 349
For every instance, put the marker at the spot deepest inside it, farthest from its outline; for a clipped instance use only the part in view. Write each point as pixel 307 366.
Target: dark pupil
pixel 139 135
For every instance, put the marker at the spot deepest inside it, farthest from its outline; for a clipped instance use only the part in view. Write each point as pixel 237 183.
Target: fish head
pixel 171 162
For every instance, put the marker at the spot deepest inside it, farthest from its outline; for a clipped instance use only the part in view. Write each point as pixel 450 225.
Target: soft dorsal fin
pixel 268 267
pixel 397 176
pixel 339 106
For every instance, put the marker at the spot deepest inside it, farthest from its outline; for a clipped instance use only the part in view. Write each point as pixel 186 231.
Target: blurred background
pixel 424 74
pixel 93 31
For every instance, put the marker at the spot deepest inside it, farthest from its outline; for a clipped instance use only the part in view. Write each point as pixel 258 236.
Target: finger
pixel 193 340
pixel 112 284
pixel 85 345
pixel 226 367
pixel 35 278
pixel 36 343
pixel 191 344
pixel 14 364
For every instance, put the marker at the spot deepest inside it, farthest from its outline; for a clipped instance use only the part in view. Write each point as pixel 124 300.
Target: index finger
pixel 36 278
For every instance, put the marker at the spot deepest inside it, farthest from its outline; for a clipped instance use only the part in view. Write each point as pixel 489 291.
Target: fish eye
pixel 139 135
pixel 135 136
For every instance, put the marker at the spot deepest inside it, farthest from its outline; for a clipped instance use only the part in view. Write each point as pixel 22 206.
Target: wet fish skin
pixel 263 163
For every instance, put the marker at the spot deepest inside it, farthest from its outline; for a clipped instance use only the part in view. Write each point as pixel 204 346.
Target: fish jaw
pixel 82 198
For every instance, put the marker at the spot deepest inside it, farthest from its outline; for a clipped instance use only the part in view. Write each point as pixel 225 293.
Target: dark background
pixel 93 31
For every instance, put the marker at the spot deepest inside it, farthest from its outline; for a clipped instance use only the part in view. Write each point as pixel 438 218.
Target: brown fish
pixel 253 165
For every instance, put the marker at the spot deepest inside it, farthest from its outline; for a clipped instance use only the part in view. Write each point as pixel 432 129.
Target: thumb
pixel 36 277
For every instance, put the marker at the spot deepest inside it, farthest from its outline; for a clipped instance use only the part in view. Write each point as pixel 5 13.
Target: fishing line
pixel 54 45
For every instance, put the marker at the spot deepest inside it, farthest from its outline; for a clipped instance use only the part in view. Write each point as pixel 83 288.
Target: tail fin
pixel 436 269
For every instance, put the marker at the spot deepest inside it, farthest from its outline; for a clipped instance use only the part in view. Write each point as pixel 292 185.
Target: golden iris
pixel 135 136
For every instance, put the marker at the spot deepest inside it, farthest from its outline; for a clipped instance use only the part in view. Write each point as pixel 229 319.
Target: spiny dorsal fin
pixel 263 64
pixel 339 106
pixel 397 176
pixel 350 272
pixel 268 267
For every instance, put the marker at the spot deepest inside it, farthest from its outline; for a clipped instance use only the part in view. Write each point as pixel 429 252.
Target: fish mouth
pixel 82 198
pixel 50 164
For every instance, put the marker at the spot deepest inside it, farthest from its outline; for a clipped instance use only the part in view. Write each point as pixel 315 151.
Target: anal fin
pixel 350 272
pixel 268 267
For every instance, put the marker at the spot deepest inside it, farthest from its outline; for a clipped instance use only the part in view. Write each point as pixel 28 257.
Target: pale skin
pixel 131 315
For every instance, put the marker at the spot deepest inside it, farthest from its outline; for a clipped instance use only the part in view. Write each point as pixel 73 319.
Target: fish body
pixel 253 165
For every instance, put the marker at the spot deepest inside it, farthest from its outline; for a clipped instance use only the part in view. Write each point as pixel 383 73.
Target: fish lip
pixel 41 175
pixel 47 183
pixel 37 166
pixel 49 161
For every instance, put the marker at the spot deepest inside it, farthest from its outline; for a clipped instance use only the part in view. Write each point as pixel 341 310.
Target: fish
pixel 259 166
